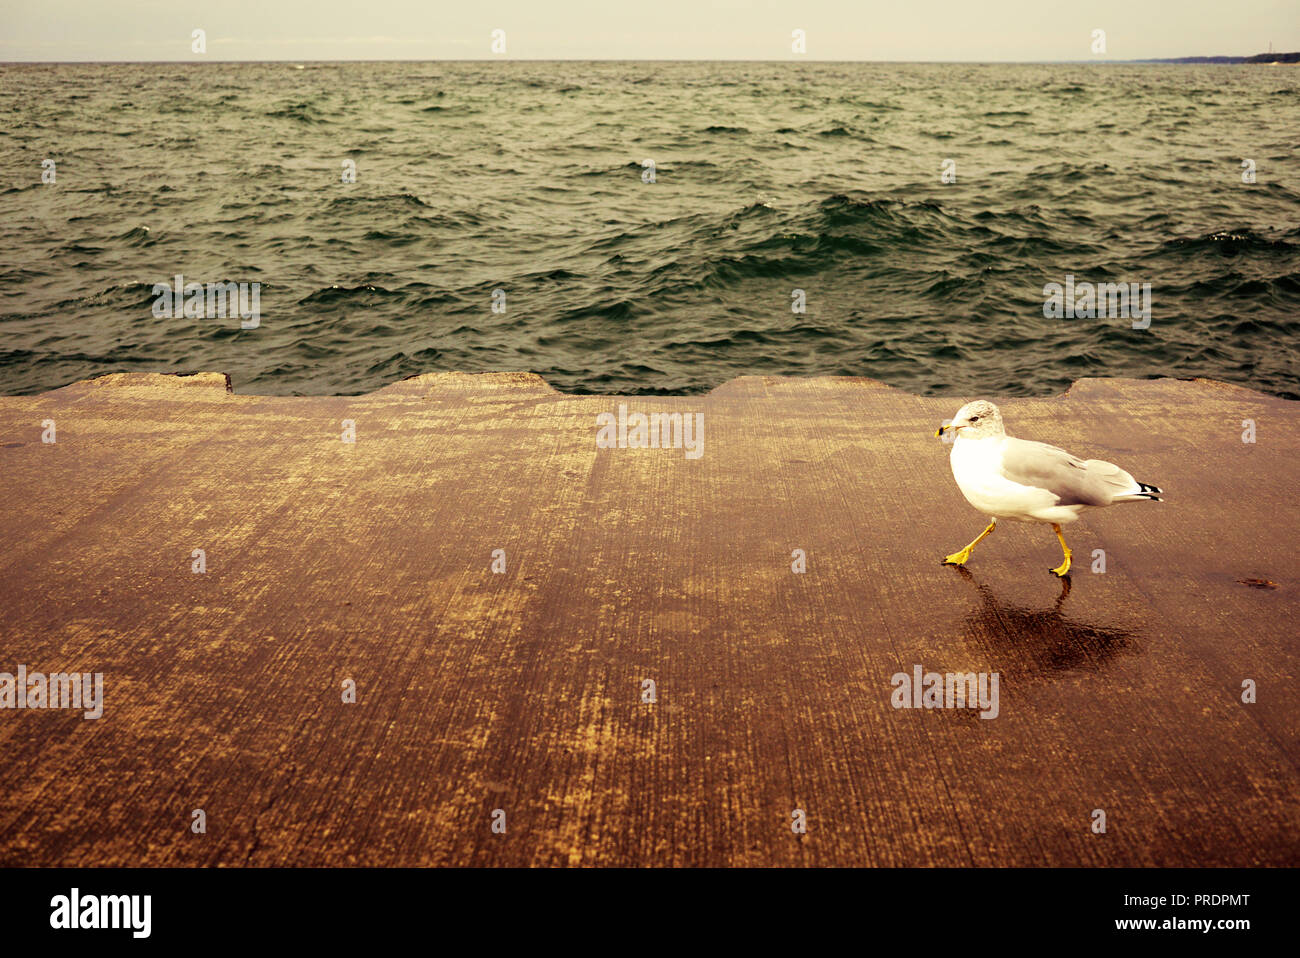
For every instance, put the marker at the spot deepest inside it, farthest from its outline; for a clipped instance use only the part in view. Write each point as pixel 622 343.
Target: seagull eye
pixel 974 418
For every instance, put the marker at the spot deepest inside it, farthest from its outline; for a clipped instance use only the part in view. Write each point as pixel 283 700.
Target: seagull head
pixel 975 420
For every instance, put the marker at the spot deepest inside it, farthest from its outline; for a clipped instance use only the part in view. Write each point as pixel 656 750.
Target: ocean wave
pixel 304 113
pixel 375 205
pixel 1231 242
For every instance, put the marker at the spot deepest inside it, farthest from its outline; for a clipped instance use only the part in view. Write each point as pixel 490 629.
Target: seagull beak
pixel 939 432
pixel 951 427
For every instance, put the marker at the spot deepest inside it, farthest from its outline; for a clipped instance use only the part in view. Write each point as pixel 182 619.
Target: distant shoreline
pixel 1257 58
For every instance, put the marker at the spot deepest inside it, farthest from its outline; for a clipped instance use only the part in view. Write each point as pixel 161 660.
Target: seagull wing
pixel 1074 481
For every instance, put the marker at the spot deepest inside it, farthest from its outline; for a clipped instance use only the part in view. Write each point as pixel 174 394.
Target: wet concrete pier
pixel 648 681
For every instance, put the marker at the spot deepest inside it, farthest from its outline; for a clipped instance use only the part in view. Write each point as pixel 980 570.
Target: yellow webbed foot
pixel 1061 570
pixel 959 558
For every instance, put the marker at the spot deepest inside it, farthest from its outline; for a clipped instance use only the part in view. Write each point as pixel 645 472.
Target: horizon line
pixel 511 59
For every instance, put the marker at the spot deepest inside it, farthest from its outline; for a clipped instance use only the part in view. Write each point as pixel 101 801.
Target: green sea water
pixel 650 227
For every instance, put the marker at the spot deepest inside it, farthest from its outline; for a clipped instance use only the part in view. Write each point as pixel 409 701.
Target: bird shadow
pixel 1041 641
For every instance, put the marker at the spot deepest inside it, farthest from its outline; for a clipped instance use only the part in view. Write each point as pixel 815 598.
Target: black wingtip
pixel 1147 487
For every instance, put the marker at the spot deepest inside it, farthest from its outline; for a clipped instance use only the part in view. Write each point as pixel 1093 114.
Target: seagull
pixel 1008 478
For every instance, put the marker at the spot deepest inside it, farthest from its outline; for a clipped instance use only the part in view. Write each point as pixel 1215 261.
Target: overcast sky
pixel 973 30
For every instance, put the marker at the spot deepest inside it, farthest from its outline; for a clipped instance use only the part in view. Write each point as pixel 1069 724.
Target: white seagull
pixel 1008 478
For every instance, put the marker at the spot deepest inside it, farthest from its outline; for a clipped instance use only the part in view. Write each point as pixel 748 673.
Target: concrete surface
pixel 523 691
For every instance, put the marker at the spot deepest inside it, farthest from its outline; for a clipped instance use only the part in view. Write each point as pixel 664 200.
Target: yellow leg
pixel 1064 567
pixel 959 558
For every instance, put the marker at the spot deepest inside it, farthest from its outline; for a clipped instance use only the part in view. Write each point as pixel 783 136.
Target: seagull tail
pixel 1144 491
